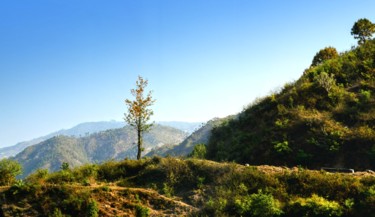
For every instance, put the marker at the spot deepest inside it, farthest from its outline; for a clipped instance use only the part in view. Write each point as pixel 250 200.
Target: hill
pixel 98 147
pixel 78 130
pixel 200 136
pixel 325 118
pixel 88 128
pixel 175 187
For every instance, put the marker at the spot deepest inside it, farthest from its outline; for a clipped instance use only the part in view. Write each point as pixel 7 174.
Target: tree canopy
pixel 363 30
pixel 323 55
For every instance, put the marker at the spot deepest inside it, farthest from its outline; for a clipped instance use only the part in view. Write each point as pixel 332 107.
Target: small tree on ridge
pixel 323 55
pixel 363 30
pixel 139 112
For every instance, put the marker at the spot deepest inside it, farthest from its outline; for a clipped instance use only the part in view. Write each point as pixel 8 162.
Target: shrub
pixel 258 204
pixel 168 190
pixel 65 166
pixel 199 151
pixel 56 213
pixel 282 147
pixel 85 173
pixel 9 169
pixel 92 209
pixel 326 81
pixel 38 177
pixel 110 170
pixel 315 206
pixel 62 176
pixel 365 95
pixel 141 211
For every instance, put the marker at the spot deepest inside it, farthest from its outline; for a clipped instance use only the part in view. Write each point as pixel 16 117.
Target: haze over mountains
pixel 97 147
pixel 87 128
pixel 306 123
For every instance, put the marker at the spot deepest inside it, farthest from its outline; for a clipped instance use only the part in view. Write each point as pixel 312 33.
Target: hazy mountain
pixel 79 130
pixel 85 129
pixel 188 127
pixel 94 148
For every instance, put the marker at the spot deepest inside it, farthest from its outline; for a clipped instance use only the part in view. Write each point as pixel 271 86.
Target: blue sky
pixel 67 62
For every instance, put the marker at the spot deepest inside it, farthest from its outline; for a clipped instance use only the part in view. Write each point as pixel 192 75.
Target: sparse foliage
pixel 363 30
pixel 326 81
pixel 139 112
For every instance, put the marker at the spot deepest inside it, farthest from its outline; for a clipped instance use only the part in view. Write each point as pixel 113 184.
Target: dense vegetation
pixel 171 186
pixel 325 118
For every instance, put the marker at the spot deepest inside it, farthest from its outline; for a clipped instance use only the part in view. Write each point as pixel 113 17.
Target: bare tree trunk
pixel 139 144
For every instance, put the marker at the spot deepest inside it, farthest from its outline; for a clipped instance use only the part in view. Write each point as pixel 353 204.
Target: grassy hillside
pixel 325 118
pixel 175 187
pixel 98 147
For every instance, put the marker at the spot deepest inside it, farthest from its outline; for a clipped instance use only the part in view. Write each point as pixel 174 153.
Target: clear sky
pixel 64 62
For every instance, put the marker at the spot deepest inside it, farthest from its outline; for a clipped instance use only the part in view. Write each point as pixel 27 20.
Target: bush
pixel 85 173
pixel 315 206
pixel 110 171
pixel 258 204
pixel 141 211
pixel 38 177
pixel 9 169
pixel 62 176
pixel 92 209
pixel 198 152
pixel 56 213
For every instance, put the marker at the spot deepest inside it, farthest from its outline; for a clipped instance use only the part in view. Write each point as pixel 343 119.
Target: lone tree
pixel 323 55
pixel 363 30
pixel 139 112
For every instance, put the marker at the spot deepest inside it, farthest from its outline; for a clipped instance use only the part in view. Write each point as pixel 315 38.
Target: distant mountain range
pixel 85 129
pixel 94 148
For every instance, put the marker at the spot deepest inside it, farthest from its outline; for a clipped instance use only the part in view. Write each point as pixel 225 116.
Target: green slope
pixel 310 122
pixel 175 187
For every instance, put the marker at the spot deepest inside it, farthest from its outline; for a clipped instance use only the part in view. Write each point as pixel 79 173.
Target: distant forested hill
pixel 98 147
pixel 85 129
pixel 79 130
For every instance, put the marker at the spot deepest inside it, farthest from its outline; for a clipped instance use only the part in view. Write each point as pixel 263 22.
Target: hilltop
pixel 325 118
